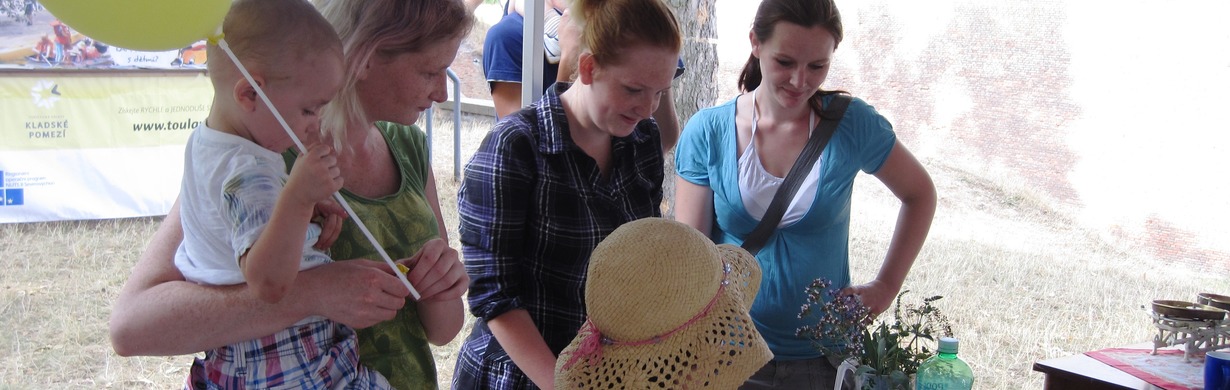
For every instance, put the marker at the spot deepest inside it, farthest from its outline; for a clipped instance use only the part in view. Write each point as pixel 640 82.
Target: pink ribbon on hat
pixel 590 348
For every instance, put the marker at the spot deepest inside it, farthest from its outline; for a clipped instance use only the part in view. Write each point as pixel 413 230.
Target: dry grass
pixel 55 296
pixel 1020 281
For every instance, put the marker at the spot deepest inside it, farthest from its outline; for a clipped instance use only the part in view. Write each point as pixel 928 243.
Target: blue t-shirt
pixel 794 255
pixel 502 53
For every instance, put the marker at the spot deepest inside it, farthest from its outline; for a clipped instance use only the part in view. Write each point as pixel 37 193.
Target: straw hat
pixel 666 308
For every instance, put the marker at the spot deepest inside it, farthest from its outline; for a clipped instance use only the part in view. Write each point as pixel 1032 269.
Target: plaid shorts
pixel 314 355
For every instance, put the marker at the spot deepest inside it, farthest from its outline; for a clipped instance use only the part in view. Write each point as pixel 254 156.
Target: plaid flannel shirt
pixel 533 206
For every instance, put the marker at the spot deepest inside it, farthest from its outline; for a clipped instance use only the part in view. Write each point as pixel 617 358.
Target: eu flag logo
pixel 14 197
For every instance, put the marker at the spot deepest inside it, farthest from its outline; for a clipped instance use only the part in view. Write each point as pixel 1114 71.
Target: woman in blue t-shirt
pixel 732 158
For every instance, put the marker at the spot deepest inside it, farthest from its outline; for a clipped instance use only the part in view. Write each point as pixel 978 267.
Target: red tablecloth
pixel 1166 369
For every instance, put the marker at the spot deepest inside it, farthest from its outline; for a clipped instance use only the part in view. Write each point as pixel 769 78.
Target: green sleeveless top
pixel 401 222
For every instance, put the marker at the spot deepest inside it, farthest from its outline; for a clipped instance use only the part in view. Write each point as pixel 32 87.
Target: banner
pixel 32 38
pixel 89 147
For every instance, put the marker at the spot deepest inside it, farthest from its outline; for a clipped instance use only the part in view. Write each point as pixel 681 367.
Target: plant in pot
pixel 882 354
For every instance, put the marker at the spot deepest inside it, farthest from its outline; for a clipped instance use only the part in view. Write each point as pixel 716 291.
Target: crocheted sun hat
pixel 666 309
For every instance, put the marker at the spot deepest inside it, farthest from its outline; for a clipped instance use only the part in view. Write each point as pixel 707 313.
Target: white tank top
pixel 757 186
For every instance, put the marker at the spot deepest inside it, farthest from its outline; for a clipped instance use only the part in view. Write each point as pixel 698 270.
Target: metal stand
pixel 1196 336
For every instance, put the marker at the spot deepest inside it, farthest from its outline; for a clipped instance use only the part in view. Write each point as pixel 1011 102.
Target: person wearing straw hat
pixel 551 181
pixel 395 56
pixel 244 217
pixel 665 308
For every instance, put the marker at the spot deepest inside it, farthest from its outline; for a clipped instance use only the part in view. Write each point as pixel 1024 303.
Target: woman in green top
pixel 396 56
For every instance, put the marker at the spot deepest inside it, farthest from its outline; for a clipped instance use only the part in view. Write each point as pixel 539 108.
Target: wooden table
pixel 1083 372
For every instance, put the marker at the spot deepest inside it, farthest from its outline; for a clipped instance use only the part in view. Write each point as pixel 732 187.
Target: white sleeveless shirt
pixel 757 186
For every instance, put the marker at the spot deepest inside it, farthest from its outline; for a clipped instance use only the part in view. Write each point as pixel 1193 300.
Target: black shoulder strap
pixel 794 179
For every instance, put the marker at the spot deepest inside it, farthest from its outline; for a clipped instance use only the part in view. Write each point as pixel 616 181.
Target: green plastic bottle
pixel 944 371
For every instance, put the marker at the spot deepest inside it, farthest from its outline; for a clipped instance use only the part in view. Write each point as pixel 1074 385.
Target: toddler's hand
pixel 315 176
pixel 329 215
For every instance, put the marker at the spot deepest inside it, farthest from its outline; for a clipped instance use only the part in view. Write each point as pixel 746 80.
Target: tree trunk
pixel 696 88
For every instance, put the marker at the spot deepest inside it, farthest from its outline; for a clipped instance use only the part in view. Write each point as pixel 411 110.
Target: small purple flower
pixel 839 320
pixel 839 326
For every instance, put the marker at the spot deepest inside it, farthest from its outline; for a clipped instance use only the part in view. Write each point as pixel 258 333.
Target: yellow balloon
pixel 144 25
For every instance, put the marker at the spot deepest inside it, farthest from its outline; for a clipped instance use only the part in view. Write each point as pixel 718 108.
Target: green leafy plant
pixel 889 349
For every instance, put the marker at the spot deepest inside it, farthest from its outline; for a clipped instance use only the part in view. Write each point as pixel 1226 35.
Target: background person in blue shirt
pixel 551 181
pixel 502 49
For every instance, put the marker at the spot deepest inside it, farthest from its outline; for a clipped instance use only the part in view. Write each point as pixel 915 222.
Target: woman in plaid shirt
pixel 554 179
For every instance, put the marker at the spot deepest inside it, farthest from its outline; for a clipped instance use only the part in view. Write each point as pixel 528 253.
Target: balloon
pixel 143 25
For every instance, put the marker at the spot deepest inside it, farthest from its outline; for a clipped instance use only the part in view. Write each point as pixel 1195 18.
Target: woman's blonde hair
pixel 384 28
pixel 609 26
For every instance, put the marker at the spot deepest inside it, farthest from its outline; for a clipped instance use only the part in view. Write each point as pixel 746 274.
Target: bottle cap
pixel 948 344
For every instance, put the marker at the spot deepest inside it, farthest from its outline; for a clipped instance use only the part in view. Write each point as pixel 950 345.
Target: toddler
pixel 245 219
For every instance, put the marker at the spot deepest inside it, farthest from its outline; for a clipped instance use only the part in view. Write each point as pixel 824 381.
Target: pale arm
pixel 441 279
pixel 158 313
pixel 909 181
pixel 668 122
pixel 271 264
pixel 518 335
pixel 567 67
pixel 694 205
pixel 433 198
pixel 569 42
